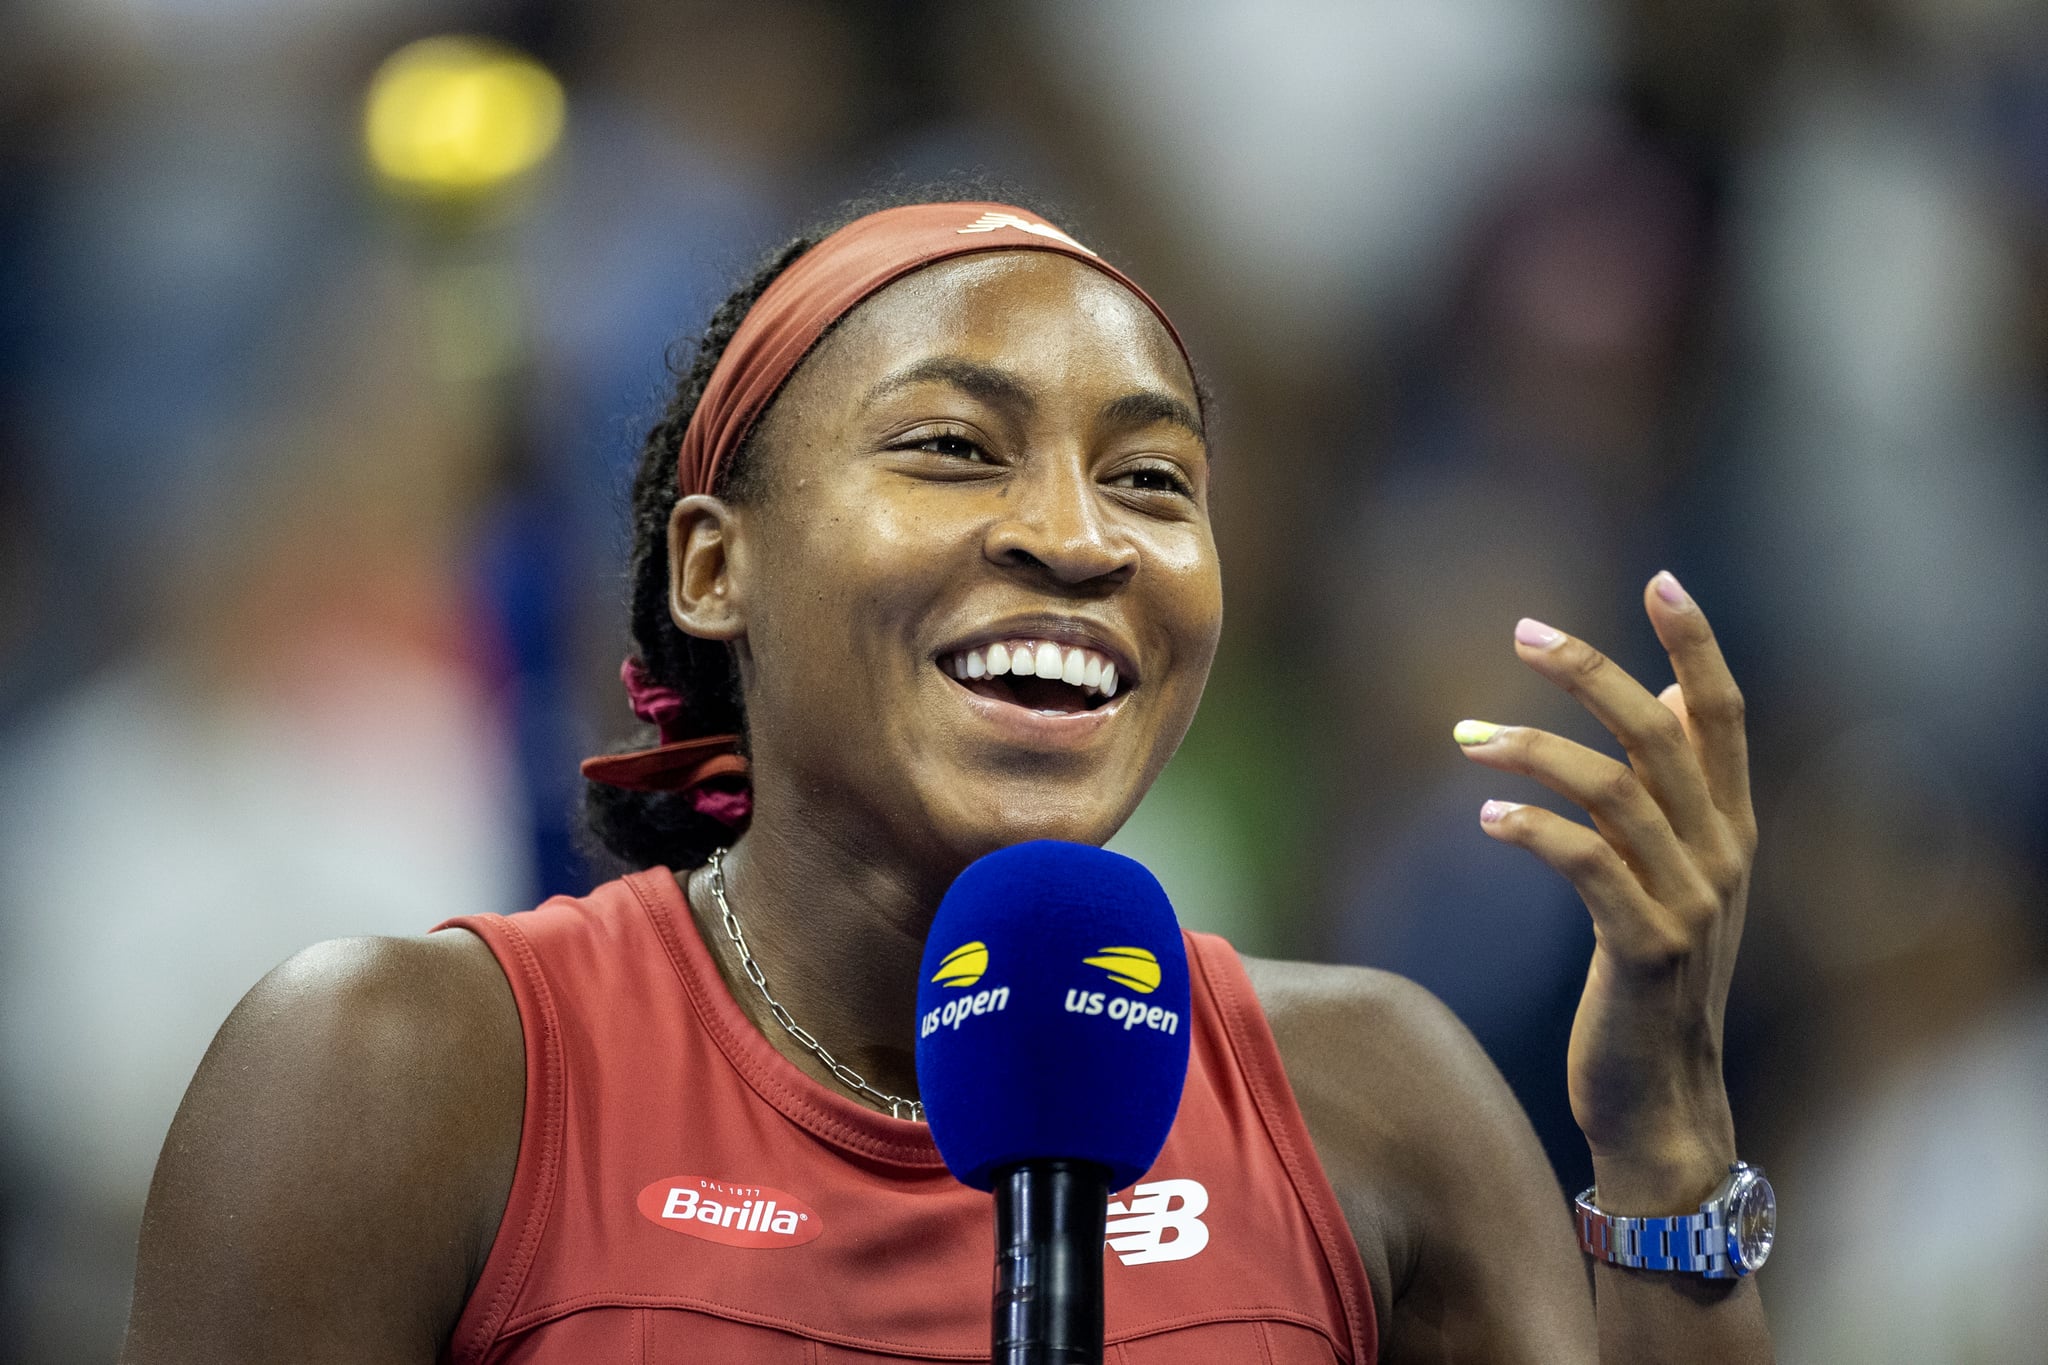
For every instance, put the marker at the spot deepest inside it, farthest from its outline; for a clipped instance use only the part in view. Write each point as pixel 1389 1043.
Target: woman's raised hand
pixel 1665 872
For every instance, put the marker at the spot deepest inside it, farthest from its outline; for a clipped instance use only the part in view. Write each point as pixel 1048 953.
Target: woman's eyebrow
pixel 998 386
pixel 1147 406
pixel 985 382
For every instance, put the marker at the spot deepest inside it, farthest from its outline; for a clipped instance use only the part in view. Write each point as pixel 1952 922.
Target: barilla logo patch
pixel 734 1214
pixel 963 966
pixel 989 222
pixel 1136 968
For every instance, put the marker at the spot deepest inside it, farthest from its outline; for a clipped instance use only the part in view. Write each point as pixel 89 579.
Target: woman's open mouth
pixel 1038 675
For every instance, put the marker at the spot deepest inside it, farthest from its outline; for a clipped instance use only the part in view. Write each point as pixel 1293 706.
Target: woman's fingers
pixel 1713 703
pixel 1609 791
pixel 1638 928
pixel 1654 738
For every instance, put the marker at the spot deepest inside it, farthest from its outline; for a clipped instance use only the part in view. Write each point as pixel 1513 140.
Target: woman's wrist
pixel 1673 1175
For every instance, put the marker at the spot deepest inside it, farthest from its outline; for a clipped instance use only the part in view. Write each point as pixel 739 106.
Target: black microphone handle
pixel 1049 1230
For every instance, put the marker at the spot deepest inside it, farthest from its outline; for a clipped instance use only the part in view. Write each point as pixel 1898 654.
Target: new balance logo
pixel 1163 1222
pixel 989 222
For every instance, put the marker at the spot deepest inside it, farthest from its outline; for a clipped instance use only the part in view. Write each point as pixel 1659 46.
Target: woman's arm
pixel 1465 1238
pixel 1664 871
pixel 1436 1165
pixel 334 1178
pixel 1465 1235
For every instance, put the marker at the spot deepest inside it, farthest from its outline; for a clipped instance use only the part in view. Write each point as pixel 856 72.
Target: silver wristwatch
pixel 1729 1237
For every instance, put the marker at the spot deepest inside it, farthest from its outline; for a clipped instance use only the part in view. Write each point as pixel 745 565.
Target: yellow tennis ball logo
pixel 1132 967
pixel 963 966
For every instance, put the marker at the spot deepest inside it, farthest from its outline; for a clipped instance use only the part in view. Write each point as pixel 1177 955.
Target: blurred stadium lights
pixel 453 126
pixel 458 118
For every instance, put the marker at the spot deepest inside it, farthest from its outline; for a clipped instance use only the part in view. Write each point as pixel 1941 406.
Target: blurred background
pixel 313 471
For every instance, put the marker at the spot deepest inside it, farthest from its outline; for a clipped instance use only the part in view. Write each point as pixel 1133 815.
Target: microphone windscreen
pixel 1052 1014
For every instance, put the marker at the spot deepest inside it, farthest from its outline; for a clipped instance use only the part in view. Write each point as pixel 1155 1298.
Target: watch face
pixel 1752 1221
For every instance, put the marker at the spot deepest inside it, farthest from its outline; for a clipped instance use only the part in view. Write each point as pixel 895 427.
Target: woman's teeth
pixel 1082 668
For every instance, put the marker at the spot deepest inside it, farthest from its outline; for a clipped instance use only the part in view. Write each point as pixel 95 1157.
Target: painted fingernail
pixel 1535 634
pixel 1667 588
pixel 1494 811
pixel 1471 732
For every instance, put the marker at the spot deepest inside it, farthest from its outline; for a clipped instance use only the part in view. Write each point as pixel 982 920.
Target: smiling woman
pixel 923 569
pixel 932 372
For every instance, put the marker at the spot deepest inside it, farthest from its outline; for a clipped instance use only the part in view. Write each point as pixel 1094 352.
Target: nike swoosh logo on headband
pixel 989 222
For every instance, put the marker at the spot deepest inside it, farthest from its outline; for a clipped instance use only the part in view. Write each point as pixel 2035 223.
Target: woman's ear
pixel 704 596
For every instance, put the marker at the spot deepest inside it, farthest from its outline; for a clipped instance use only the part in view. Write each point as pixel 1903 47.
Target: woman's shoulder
pixel 349 1139
pixel 450 968
pixel 1381 1054
pixel 1326 992
pixel 1406 1111
pixel 415 1041
pixel 1357 1031
pixel 429 1018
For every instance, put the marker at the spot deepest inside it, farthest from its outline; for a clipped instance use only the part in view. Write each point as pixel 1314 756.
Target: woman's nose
pixel 1056 523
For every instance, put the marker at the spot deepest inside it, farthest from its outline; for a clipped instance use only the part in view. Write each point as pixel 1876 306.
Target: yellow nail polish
pixel 1470 732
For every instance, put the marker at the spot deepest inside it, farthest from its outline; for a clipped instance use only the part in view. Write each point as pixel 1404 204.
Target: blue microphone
pixel 1053 1023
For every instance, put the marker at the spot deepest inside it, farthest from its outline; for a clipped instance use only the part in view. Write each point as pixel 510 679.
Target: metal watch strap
pixel 1694 1242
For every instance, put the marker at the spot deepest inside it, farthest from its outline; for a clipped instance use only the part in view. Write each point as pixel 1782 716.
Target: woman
pixel 927 522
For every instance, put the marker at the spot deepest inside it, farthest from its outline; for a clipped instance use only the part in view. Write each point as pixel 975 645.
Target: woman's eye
pixel 955 447
pixel 1156 479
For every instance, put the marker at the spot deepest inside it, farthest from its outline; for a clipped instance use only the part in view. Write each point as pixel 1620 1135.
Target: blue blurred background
pixel 312 533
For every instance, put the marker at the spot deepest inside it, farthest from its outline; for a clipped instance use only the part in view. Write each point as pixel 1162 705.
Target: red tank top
pixel 684 1193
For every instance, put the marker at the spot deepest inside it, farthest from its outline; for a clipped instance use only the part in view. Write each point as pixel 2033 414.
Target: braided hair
pixel 647 827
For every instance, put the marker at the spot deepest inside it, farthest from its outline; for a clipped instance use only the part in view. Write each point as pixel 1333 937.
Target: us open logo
pixel 1135 969
pixel 959 969
pixel 728 1212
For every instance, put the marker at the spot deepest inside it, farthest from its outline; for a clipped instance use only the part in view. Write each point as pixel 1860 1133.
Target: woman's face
pixel 998 455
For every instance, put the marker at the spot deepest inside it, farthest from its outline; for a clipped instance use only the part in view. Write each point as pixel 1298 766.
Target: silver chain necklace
pixel 899 1108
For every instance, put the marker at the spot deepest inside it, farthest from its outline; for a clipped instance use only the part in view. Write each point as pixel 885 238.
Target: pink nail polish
pixel 1535 634
pixel 1668 589
pixel 1492 811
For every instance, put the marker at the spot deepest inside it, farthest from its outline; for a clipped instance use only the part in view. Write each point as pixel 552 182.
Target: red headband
pixel 819 287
